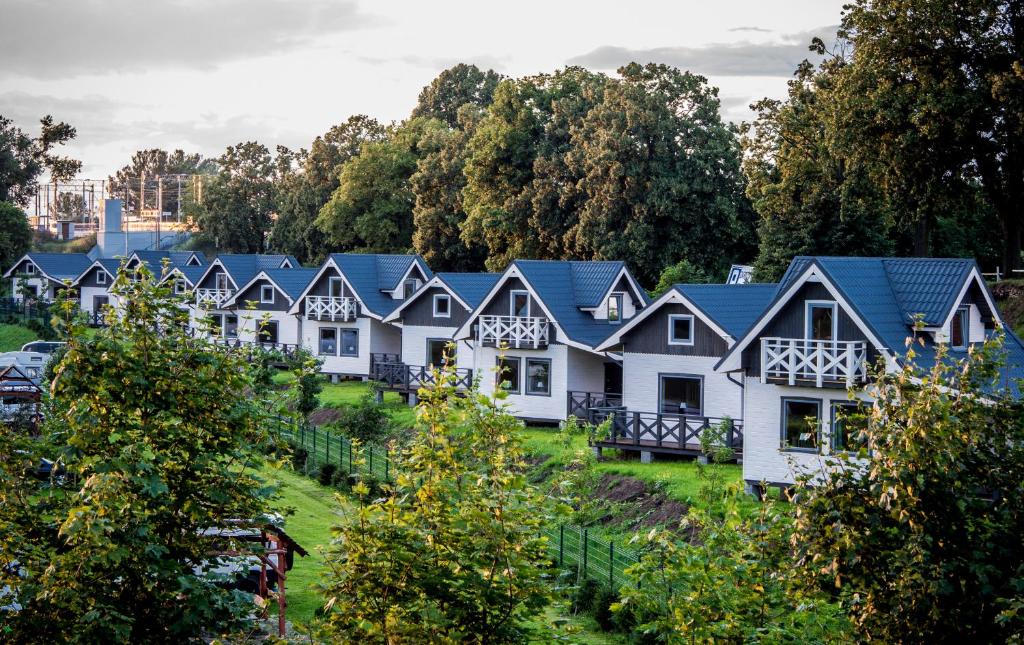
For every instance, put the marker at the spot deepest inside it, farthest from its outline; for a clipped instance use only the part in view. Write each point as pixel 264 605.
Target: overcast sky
pixel 202 74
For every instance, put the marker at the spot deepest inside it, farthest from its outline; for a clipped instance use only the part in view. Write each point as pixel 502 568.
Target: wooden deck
pixel 663 433
pixel 402 378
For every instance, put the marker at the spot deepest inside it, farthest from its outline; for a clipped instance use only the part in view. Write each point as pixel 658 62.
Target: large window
pixel 615 308
pixel 680 329
pixel 268 331
pixel 519 304
pixel 334 287
pixel 681 395
pixel 328 341
pixel 101 277
pixel 436 348
pixel 231 326
pixel 508 375
pixel 821 320
pixel 801 421
pixel 350 342
pixel 217 324
pixel 267 294
pixel 442 306
pixel 849 419
pixel 538 376
pixel 959 328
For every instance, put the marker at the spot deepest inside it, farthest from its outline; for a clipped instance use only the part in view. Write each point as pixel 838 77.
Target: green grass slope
pixel 12 337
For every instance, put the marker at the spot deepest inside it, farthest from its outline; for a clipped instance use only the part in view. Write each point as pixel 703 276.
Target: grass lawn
pixel 350 392
pixel 316 511
pixel 12 337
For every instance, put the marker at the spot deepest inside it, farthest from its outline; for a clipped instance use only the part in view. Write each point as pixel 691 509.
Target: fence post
pixel 561 545
pixel 387 465
pixel 586 539
pixel 349 457
pixel 315 456
pixel 611 565
pixel 327 440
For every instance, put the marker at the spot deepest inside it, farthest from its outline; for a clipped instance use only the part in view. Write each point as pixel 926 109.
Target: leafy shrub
pixel 326 474
pixel 585 594
pixel 366 421
pixel 299 457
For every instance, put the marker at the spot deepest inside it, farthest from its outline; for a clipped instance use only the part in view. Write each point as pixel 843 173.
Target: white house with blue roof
pixel 428 320
pixel 344 306
pixel 262 306
pixel 828 320
pixel 671 390
pixel 44 274
pixel 94 285
pixel 540 325
pixel 221 281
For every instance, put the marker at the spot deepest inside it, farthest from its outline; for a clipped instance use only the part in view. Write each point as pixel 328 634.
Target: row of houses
pixel 767 365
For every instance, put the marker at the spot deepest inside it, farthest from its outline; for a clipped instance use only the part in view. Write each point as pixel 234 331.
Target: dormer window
pixel 101 277
pixel 615 308
pixel 821 320
pixel 286 264
pixel 680 329
pixel 409 287
pixel 959 328
pixel 193 261
pixel 442 306
pixel 180 287
pixel 267 294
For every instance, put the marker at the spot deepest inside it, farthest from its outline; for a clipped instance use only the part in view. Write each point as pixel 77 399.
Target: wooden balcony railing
pixel 409 378
pixel 677 432
pixel 331 308
pixel 579 404
pixel 517 332
pixel 213 298
pixel 820 361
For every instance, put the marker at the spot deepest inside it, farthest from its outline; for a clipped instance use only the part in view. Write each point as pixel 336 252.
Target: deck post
pixel 646 456
pixel 702 459
pixel 636 428
pixel 378 395
pixel 413 400
pixel 597 451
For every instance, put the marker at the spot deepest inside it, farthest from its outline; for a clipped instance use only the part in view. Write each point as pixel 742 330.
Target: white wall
pixel 628 310
pixel 287 325
pixel 640 383
pixel 42 286
pixel 548 408
pixel 763 458
pixel 86 295
pixel 374 337
pixel 414 343
pixel 585 371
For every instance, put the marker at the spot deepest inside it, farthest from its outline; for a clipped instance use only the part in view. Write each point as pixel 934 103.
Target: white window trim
pixel 438 297
pixel 285 264
pixel 341 333
pixel 320 341
pixel 331 293
pixel 965 311
pixel 512 302
pixel 416 284
pixel 101 277
pixel 621 297
pixel 263 292
pixel 30 269
pixel 179 287
pixel 808 304
pixel 671 326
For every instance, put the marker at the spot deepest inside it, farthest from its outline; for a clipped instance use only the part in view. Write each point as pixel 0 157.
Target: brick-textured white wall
pixel 763 458
pixel 349 365
pixel 640 386
pixel 87 294
pixel 585 371
pixel 287 326
pixel 550 408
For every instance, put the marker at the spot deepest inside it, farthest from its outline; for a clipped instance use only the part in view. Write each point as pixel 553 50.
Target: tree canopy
pixel 24 158
pixel 151 163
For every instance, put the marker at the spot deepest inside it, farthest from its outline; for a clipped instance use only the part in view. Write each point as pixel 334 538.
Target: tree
pixel 303 191
pixel 682 272
pixel 23 158
pixel 151 163
pixel 919 534
pixel 453 88
pixel 371 210
pixel 237 202
pixel 453 552
pixel 157 441
pixel 17 238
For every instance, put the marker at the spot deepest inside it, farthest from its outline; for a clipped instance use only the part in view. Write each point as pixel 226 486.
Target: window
pixel 285 264
pixel 436 349
pixel 409 287
pixel 101 277
pixel 217 324
pixel 193 261
pixel 328 341
pixel 180 287
pixel 959 328
pixel 221 281
pixel 349 342
pixel 442 306
pixel 681 394
pixel 30 269
pixel 268 331
pixel 267 294
pixel 231 326
pixel 538 376
pixel 508 375
pixel 848 421
pixel 821 320
pixel 801 419
pixel 615 308
pixel 519 304
pixel 680 329
pixel 334 287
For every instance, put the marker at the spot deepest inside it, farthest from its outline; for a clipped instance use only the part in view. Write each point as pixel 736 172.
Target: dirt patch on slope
pixel 323 416
pixel 635 504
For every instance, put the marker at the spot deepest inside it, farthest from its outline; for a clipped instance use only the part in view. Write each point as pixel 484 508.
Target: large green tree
pixel 371 210
pixel 303 190
pixel 17 237
pixel 453 88
pixel 661 174
pixel 151 163
pixel 234 206
pixel 24 158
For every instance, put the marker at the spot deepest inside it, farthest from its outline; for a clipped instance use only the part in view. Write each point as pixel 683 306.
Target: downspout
pixel 743 391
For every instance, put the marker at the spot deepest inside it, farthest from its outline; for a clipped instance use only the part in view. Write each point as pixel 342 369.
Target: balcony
pixel 331 308
pixel 410 378
pixel 516 332
pixel 651 432
pixel 799 361
pixel 213 298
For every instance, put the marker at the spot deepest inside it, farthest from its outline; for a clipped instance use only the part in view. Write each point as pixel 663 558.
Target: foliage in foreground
pixel 453 552
pixel 924 545
pixel 158 441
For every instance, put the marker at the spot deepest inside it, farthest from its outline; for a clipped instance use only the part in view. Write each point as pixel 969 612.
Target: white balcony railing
pixel 331 308
pixel 821 361
pixel 213 298
pixel 515 331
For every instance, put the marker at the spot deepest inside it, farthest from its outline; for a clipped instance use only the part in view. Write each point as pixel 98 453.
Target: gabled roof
pixel 153 259
pixel 56 266
pixel 370 275
pixel 467 288
pixel 290 282
pixel 242 267
pixel 109 266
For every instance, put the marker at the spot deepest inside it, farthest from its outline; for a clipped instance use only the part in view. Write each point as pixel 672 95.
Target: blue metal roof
pixel 471 287
pixel 192 273
pixel 154 259
pixel 372 274
pixel 243 267
pixel 61 266
pixel 734 307
pixel 566 287
pixel 292 281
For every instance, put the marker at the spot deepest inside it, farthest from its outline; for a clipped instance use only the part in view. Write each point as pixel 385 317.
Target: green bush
pixel 326 474
pixel 366 421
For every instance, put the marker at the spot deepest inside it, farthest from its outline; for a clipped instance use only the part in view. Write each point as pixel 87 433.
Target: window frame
pixel 406 292
pixel 30 269
pixel 833 434
pixel 234 334
pixel 783 416
pixel 672 340
pixel 180 287
pixel 512 303
pixel 101 277
pixel 331 281
pixel 620 298
pixel 962 312
pixel 526 373
pixel 499 376
pixel 263 290
pixel 264 325
pixel 320 341
pixel 438 297
pixel 218 278
pixel 809 320
pixel 661 390
pixel 341 345
pixel 428 343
